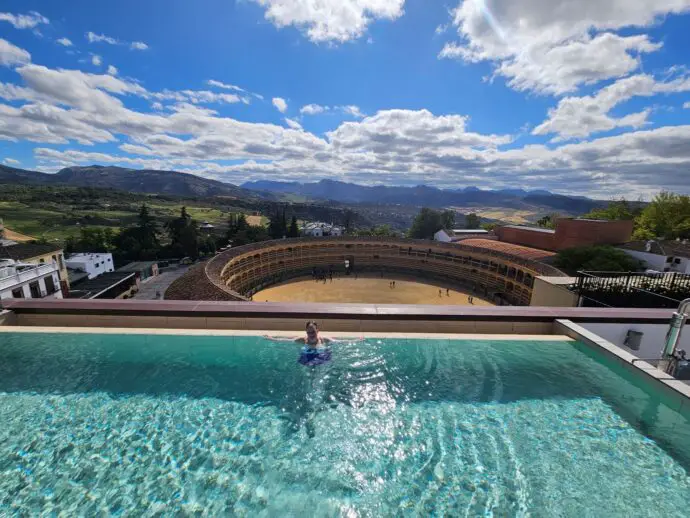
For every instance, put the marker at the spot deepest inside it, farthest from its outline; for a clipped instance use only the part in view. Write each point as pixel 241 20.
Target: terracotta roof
pixel 24 251
pixel 524 252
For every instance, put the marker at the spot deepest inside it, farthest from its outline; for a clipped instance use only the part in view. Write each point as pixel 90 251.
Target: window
pixel 50 285
pixel 18 293
pixel 98 264
pixel 676 260
pixel 42 261
pixel 669 259
pixel 35 290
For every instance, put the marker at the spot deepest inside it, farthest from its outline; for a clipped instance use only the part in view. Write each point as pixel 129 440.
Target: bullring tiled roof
pixel 524 252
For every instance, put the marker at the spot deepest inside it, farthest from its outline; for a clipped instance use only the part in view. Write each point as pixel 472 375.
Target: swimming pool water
pixel 185 425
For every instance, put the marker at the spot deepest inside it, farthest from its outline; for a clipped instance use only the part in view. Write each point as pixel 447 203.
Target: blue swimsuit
pixel 314 356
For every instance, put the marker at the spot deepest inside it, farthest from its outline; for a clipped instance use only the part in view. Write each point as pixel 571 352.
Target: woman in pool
pixel 317 348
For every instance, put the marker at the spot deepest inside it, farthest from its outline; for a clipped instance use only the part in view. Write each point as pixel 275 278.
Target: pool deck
pixel 277 334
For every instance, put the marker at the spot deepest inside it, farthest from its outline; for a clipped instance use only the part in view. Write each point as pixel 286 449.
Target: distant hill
pixel 145 181
pixel 424 195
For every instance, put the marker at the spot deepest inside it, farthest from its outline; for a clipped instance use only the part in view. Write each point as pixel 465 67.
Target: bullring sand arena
pixel 367 289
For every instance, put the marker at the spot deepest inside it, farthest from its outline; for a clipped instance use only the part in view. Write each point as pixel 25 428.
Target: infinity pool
pixel 180 425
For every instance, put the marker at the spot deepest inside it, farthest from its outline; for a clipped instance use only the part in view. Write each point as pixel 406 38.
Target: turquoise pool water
pixel 134 425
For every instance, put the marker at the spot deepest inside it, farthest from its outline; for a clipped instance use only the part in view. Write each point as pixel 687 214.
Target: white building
pixel 319 229
pixel 662 255
pixel 91 264
pixel 29 281
pixel 450 236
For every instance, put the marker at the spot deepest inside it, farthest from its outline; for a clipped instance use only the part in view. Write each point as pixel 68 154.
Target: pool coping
pixel 677 389
pixel 277 334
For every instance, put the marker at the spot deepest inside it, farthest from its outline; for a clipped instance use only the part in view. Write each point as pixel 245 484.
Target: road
pixel 153 285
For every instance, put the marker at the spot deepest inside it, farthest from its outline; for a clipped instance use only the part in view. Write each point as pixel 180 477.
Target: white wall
pixel 442 237
pixel 7 293
pixel 93 264
pixel 652 344
pixel 652 261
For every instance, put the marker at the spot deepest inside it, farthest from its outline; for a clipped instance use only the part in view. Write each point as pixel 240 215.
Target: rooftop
pixel 24 251
pixel 531 229
pixel 468 231
pixel 92 288
pixel 663 247
pixel 524 252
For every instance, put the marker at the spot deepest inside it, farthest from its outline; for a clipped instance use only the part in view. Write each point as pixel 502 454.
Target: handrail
pixel 673 335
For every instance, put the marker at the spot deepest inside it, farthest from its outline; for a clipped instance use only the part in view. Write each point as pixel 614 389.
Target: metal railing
pixel 631 289
pixel 23 275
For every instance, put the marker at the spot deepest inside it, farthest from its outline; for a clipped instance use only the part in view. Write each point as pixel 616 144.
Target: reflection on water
pixel 169 424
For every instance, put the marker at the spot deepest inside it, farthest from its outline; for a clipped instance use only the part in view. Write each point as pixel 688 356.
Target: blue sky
pixel 581 97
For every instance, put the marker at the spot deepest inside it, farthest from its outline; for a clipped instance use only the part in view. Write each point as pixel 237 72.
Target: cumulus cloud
pixel 96 60
pixel 112 70
pixel 313 109
pixel 280 104
pixel 583 116
pixel 391 146
pixel 92 37
pixel 330 20
pixel 554 46
pixel 24 21
pixel 686 106
pixel 12 161
pixel 12 55
pixel 65 42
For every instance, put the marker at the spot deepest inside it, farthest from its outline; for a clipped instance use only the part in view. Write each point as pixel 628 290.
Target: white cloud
pixel 313 109
pixel 293 124
pixel 112 70
pixel 102 38
pixel 686 106
pixel 280 104
pixel 11 55
pixel 12 161
pixel 330 20
pixel 226 86
pixel 353 110
pixel 157 106
pixel 582 116
pixel 553 46
pixel 24 21
pixel 65 42
pixel 391 146
pixel 316 109
pixel 96 60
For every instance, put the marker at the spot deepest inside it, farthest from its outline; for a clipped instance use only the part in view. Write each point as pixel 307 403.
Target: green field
pixel 38 214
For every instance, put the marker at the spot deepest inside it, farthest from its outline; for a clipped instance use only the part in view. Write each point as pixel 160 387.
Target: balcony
pixel 11 276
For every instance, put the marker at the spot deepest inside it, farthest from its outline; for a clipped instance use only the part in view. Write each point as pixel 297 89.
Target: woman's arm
pixel 329 341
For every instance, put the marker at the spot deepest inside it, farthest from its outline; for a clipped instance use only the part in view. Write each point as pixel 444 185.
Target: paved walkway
pixel 153 285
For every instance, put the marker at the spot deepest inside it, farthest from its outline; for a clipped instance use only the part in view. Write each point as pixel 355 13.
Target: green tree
pixel 293 231
pixel 139 242
pixel 489 227
pixel 378 231
pixel 666 217
pixel 426 224
pixel 548 221
pixel 349 221
pixel 448 219
pixel 277 228
pixel 615 210
pixel 596 258
pixel 184 235
pixel 472 221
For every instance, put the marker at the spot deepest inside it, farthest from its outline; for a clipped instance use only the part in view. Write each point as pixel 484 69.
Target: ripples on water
pixel 139 425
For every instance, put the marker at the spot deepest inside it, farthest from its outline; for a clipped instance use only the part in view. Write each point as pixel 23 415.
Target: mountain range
pixel 145 181
pixel 150 181
pixel 424 195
